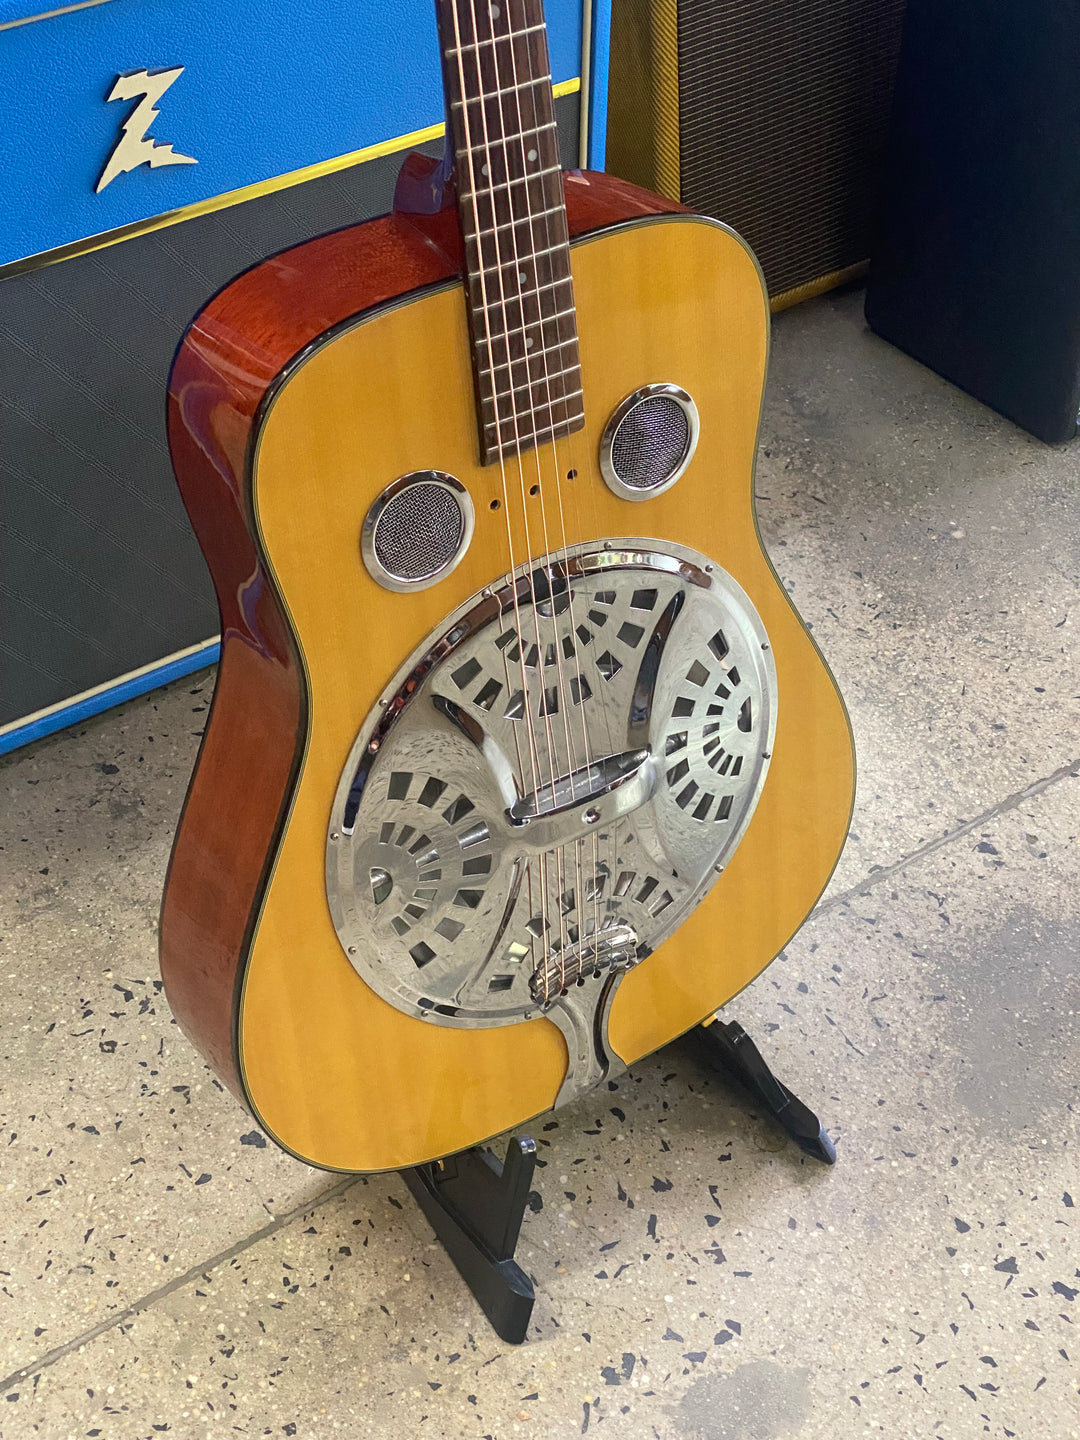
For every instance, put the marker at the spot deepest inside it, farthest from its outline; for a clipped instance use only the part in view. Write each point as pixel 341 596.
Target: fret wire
pixel 514 213
pixel 544 295
pixel 493 267
pixel 471 23
pixel 540 77
pixel 521 329
pixel 455 50
pixel 542 318
pixel 523 262
pixel 481 82
pixel 534 293
pixel 536 434
pixel 565 423
pixel 530 294
pixel 529 385
pixel 532 255
pixel 503 90
pixel 568 372
pixel 558 397
pixel 517 180
pixel 509 224
pixel 510 138
pixel 516 208
pixel 526 359
pixel 530 438
pixel 567 399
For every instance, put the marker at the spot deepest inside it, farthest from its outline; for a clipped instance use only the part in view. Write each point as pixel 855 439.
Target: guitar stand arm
pixel 729 1049
pixel 475 1204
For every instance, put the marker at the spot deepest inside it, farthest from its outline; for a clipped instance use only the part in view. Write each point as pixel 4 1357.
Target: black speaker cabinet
pixel 768 114
pixel 976 270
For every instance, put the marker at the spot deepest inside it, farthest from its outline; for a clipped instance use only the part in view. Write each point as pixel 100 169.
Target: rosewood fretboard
pixel 510 195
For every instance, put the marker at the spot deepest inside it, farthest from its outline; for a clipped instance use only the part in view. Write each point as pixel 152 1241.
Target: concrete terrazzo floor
pixel 165 1271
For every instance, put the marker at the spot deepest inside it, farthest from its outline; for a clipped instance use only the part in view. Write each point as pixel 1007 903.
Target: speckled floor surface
pixel 165 1271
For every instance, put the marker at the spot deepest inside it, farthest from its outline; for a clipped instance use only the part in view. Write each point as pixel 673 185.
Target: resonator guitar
pixel 520 761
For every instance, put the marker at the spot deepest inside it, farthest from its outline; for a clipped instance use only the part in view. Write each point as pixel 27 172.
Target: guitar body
pixel 301 392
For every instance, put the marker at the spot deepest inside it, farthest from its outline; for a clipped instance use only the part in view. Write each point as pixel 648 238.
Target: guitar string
pixel 494 11
pixel 471 165
pixel 578 646
pixel 520 264
pixel 511 225
pixel 551 238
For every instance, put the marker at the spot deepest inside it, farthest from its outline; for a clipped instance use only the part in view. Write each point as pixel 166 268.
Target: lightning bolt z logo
pixel 134 147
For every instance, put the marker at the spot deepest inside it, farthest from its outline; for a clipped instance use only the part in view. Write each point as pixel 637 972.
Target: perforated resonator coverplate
pixel 552 781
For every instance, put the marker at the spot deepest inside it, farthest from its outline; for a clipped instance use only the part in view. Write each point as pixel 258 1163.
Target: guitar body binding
pixel 301 392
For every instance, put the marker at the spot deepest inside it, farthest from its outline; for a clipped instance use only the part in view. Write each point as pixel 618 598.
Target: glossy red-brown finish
pixel 229 359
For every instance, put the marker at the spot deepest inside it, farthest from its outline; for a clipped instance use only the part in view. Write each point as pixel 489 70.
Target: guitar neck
pixel 510 196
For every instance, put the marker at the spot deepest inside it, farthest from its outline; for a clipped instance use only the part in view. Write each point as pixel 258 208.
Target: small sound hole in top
pixel 649 441
pixel 417 530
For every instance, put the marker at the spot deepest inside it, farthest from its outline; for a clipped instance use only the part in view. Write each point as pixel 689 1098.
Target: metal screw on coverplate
pixel 334 835
pixel 352 949
pixel 766 754
pixel 591 816
pixel 764 644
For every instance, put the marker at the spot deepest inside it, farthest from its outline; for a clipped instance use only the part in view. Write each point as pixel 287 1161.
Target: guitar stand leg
pixel 730 1049
pixel 475 1204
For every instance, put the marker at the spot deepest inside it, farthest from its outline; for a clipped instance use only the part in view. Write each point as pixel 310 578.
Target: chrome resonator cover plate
pixel 548 786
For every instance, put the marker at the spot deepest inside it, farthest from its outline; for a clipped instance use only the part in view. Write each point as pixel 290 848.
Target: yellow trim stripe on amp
pixel 51 14
pixel 237 197
pixel 809 288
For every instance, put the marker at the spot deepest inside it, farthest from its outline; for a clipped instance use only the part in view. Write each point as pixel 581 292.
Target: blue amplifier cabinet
pixel 149 151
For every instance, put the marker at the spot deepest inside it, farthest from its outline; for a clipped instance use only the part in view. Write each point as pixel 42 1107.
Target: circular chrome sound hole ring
pixel 609 442
pixel 430 876
pixel 389 507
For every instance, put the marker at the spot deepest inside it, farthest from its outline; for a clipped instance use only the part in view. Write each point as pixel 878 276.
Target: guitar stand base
pixel 728 1048
pixel 475 1204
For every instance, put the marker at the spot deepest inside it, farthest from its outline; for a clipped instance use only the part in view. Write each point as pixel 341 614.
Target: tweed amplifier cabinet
pixel 768 114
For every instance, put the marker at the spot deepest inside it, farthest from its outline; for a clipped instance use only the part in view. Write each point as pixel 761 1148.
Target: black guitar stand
pixel 729 1049
pixel 475 1203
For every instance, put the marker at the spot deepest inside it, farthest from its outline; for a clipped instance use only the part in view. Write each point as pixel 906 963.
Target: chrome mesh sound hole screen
pixel 419 531
pixel 650 442
pixel 551 782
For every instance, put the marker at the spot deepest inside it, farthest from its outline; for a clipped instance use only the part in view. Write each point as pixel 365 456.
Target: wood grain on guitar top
pixel 233 352
pixel 252 964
